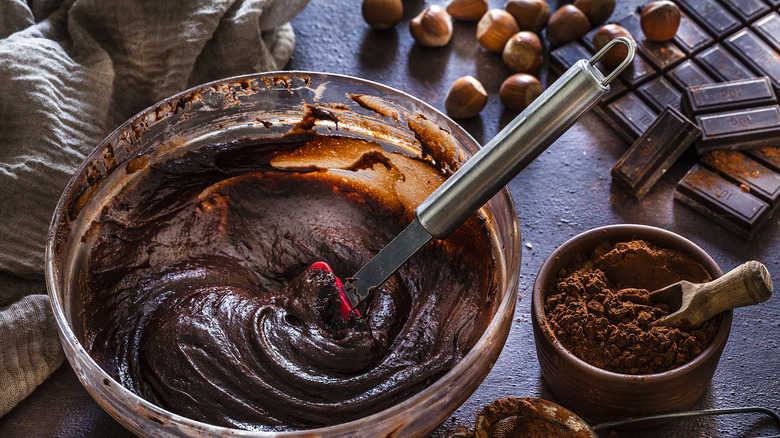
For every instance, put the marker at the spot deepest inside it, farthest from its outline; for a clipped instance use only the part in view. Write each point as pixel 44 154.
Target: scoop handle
pixel 745 285
pixel 522 140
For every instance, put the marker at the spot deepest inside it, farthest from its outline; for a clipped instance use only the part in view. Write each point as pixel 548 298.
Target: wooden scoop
pixel 748 283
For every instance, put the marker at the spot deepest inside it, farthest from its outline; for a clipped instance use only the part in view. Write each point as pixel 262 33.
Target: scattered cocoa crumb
pixel 601 312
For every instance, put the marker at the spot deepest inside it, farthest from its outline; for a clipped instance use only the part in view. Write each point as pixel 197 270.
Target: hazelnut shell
pixel 523 53
pixel 567 24
pixel 382 14
pixel 597 11
pixel 519 90
pixel 432 27
pixel 466 98
pixel 467 10
pixel 660 20
pixel 530 14
pixel 495 28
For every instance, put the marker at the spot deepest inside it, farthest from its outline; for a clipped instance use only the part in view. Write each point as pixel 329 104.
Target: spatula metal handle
pixel 522 140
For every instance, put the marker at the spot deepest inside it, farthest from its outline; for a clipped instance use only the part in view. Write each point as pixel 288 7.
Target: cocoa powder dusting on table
pixel 601 312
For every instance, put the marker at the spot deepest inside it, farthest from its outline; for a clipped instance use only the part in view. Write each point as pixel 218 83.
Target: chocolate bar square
pixel 638 72
pixel 562 58
pixel 687 74
pixel 654 152
pixel 723 202
pixel 769 29
pixel 690 37
pixel 722 65
pixel 726 96
pixel 756 53
pixel 746 10
pixel 711 16
pixel 630 116
pixel 659 93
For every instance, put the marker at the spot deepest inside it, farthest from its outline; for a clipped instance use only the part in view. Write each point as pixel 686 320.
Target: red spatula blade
pixel 346 308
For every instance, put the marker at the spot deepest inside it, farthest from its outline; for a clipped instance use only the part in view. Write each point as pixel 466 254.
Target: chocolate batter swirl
pixel 198 296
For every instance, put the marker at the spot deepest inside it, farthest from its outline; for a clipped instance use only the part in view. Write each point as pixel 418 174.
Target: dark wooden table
pixel 567 190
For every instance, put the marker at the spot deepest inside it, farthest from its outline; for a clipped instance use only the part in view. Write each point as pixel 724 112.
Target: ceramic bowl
pixel 269 104
pixel 598 395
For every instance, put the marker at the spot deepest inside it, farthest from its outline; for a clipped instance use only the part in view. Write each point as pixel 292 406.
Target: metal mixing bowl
pixel 260 105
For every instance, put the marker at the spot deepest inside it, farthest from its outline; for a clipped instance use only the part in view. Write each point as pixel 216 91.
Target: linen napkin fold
pixel 71 71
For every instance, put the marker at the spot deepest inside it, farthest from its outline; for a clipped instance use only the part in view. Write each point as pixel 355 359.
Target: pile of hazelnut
pixel 514 32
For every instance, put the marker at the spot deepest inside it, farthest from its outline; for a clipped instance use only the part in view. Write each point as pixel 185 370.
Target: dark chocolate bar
pixel 746 10
pixel 687 74
pixel 756 53
pixel 711 16
pixel 726 96
pixel 630 116
pixel 661 54
pixel 768 28
pixel 655 151
pixel 739 129
pixel 659 93
pixel 722 65
pixel 747 173
pixel 690 37
pixel 562 58
pixel 722 201
pixel 769 157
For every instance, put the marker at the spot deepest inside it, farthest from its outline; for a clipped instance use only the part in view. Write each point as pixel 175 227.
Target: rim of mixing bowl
pixel 497 329
pixel 627 231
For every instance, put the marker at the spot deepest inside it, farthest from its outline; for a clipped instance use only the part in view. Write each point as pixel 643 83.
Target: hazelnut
pixel 495 28
pixel 432 27
pixel 604 35
pixel 660 20
pixel 530 14
pixel 466 98
pixel 567 24
pixel 467 10
pixel 523 53
pixel 519 90
pixel 382 14
pixel 597 11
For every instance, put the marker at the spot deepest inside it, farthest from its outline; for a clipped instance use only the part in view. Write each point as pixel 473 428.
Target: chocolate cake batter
pixel 198 297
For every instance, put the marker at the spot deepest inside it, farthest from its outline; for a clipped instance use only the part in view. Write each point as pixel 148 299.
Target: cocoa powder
pixel 601 312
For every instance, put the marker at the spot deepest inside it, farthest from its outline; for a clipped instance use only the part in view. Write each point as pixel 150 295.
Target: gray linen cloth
pixel 70 72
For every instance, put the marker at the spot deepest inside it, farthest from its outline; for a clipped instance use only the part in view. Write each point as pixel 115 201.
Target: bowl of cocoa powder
pixel 599 352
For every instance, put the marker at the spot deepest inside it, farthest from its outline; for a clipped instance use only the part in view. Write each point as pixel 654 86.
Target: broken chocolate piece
pixel 655 151
pixel 723 202
pixel 726 96
pixel 739 129
pixel 769 157
pixel 746 172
